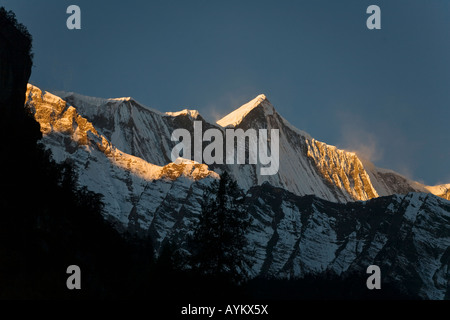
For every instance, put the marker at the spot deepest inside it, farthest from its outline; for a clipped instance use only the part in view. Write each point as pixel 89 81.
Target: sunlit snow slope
pixel 136 139
pixel 121 177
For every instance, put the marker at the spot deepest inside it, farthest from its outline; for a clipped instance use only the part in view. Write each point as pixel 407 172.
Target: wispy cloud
pixel 216 110
pixel 381 143
pixel 357 137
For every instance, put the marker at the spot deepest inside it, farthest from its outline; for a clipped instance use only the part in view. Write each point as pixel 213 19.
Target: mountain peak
pixel 193 114
pixel 236 117
pixel 122 99
pixel 261 97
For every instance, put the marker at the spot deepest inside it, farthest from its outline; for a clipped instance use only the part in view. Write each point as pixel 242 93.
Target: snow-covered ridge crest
pixel 143 137
pixel 121 99
pixel 55 116
pixel 193 114
pixel 81 100
pixel 236 117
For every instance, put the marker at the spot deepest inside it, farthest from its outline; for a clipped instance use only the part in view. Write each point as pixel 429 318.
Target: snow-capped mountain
pixel 121 177
pixel 305 220
pixel 307 166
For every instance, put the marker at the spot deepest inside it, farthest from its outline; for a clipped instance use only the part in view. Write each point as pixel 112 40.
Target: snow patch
pixel 193 114
pixel 180 160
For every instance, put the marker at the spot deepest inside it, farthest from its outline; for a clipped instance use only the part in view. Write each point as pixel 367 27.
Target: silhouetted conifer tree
pixel 219 243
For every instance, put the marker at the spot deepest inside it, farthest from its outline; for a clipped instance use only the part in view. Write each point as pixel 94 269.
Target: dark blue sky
pixel 383 92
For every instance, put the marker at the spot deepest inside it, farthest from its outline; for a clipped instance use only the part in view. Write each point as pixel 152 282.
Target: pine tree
pixel 219 244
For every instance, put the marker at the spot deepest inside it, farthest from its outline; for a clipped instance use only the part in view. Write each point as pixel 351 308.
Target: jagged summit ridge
pixel 307 166
pixel 193 114
pixel 55 116
pixel 83 101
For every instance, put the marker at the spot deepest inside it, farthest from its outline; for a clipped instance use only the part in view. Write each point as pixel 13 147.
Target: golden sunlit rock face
pixel 341 168
pixel 173 171
pixel 56 117
pixel 442 190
